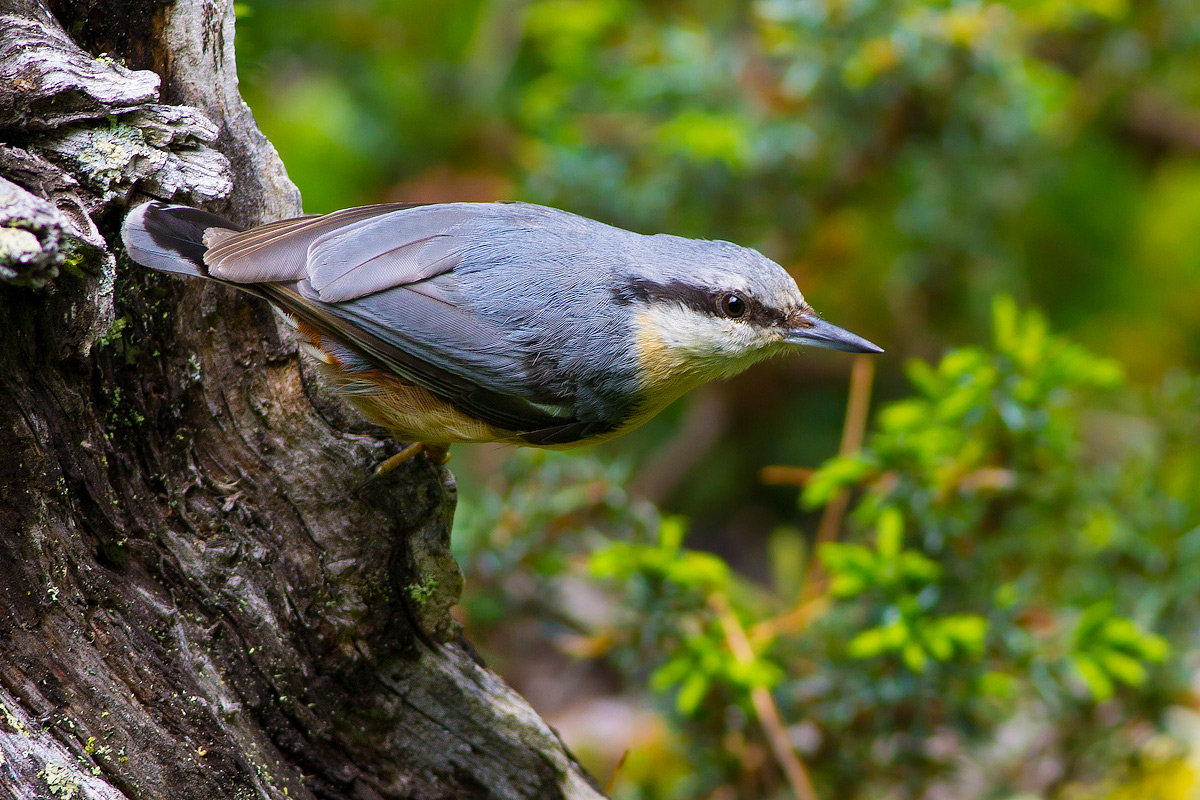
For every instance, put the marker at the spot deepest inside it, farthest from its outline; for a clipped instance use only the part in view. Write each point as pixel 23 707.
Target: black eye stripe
pixel 698 299
pixel 647 291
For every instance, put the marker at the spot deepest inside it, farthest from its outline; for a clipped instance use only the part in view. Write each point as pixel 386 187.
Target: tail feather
pixel 173 238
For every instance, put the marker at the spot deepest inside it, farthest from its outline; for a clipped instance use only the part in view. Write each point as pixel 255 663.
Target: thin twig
pixel 853 430
pixel 795 620
pixel 778 475
pixel 764 704
pixel 612 781
pixel 813 601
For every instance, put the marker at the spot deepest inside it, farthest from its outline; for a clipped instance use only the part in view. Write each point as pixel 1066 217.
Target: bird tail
pixel 173 238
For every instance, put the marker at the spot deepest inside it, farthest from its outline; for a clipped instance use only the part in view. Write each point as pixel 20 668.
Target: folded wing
pixel 380 279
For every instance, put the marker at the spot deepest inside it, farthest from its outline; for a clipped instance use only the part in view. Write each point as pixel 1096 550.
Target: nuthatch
pixel 498 322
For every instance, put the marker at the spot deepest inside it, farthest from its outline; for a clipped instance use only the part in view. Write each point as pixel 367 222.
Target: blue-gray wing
pixel 455 358
pixel 381 280
pixel 278 251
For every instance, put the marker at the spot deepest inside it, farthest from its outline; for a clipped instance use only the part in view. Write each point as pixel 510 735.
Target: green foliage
pixel 702 664
pixel 1004 469
pixel 663 563
pixel 997 568
pixel 1107 650
pixel 697 660
pixel 984 424
pixel 895 572
pixel 904 581
pixel 543 507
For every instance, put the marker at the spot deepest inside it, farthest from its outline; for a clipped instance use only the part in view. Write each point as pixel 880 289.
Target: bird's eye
pixel 732 305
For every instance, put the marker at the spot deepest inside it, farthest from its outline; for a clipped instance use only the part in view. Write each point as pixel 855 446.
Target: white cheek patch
pixel 687 329
pixel 713 344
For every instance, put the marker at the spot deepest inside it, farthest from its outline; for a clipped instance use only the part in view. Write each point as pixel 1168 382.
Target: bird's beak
pixel 816 332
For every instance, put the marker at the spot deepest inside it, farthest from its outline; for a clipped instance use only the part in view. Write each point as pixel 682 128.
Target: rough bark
pixel 195 599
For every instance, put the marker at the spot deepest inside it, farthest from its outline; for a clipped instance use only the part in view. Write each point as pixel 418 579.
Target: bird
pixel 506 322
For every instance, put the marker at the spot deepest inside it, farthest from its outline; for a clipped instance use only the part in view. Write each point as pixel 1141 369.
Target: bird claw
pixel 435 453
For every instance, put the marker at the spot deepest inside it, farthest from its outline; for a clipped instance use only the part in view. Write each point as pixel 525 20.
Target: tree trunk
pixel 195 599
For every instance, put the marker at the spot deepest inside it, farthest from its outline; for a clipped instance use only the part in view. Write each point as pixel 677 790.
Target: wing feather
pixel 391 250
pixel 278 251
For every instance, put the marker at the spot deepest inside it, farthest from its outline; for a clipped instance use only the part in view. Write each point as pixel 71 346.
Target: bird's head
pixel 705 310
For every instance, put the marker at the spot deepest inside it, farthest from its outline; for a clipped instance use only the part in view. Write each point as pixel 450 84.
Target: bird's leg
pixel 414 449
pixel 438 454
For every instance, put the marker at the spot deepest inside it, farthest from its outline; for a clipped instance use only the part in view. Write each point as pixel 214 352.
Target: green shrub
pixel 1020 557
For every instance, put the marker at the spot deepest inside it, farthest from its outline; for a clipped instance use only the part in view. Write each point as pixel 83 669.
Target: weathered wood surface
pixel 195 602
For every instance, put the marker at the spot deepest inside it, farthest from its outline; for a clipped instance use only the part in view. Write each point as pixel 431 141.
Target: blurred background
pixel 969 568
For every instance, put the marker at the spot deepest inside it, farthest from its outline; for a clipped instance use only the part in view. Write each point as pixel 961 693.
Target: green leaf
pixel 919 568
pixel 847 584
pixel 700 136
pixel 671 532
pixel 889 537
pixel 869 644
pixel 914 657
pixel 1094 677
pixel 1091 622
pixel 1124 668
pixel 997 684
pixel 1005 317
pixel 838 557
pixel 700 570
pixel 937 643
pixel 968 631
pixel 692 693
pixel 834 475
pixel 1122 632
pixel 924 378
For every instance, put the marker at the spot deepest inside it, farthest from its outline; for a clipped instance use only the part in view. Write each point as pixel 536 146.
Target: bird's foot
pixel 438 454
